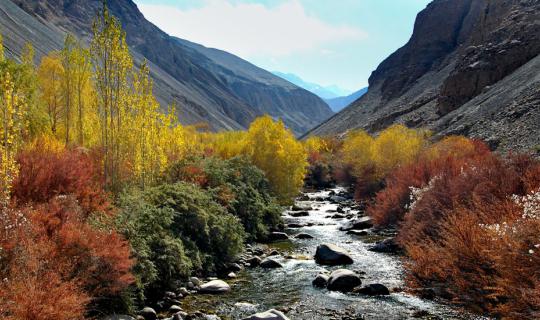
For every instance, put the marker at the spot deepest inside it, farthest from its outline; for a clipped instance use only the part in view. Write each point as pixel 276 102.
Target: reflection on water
pixel 290 288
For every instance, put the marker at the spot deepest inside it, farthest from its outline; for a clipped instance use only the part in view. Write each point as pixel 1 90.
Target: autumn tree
pixel 13 126
pixel 112 64
pixel 50 76
pixel 274 149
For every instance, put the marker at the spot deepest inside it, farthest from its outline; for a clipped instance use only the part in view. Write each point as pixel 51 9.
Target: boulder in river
pixel 358 232
pixel 299 214
pixel 343 280
pixel 148 313
pixel 320 281
pixel 386 246
pixel 337 199
pixel 295 225
pixel 254 261
pixel 358 224
pixel 272 314
pixel 297 207
pixel 270 264
pixel 303 236
pixel 215 286
pixel 329 254
pixel 374 289
pixel 278 236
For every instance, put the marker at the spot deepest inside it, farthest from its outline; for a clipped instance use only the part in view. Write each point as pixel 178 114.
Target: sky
pixel 328 42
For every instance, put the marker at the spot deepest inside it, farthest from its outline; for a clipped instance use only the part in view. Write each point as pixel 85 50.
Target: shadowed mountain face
pixel 471 67
pixel 207 85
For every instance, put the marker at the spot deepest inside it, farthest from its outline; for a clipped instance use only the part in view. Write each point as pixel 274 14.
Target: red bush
pixel 62 263
pixel 46 173
pixel 466 239
pixel 393 201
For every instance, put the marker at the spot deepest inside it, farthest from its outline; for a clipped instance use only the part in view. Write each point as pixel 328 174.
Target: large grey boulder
pixel 329 254
pixel 215 286
pixel 343 280
pixel 272 314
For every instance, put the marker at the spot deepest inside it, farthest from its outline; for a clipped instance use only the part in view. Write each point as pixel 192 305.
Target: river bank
pixel 289 288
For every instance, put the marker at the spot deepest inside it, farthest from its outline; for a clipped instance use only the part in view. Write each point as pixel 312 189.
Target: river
pixel 290 289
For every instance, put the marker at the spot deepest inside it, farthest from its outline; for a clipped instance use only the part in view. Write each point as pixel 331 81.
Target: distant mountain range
pixel 328 92
pixel 337 104
pixel 207 85
pixel 470 68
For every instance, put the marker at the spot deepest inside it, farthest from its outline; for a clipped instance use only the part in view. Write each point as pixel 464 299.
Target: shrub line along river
pixel 290 288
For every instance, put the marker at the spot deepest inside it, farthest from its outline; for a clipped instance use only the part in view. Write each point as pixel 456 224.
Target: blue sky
pixel 329 42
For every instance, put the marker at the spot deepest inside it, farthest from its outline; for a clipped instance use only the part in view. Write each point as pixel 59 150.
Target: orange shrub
pixel 46 172
pixel 395 199
pixel 470 240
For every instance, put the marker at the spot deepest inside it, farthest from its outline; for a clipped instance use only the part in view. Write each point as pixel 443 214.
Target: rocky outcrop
pixel 470 67
pixel 208 85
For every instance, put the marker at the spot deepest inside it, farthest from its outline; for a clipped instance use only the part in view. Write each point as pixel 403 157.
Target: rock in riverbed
pixel 278 236
pixel 329 254
pixel 148 313
pixel 374 289
pixel 215 286
pixel 358 224
pixel 254 261
pixel 299 214
pixel 320 281
pixel 272 314
pixel 303 236
pixel 386 246
pixel 270 264
pixel 343 280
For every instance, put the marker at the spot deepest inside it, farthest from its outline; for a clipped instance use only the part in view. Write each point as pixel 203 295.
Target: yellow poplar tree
pixel 12 130
pixel 50 77
pixel 112 64
pixel 274 149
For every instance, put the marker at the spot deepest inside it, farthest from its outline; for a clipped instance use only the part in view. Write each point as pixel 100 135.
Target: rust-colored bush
pixel 61 261
pixel 407 183
pixel 47 172
pixel 470 240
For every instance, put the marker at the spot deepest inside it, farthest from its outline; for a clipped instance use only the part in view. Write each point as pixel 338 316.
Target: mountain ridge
pixel 182 75
pixel 447 77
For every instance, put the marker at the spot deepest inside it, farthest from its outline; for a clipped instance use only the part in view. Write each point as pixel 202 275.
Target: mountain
pixel 471 67
pixel 336 104
pixel 328 92
pixel 207 85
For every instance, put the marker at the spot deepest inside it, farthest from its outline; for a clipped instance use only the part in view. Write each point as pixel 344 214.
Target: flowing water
pixel 289 288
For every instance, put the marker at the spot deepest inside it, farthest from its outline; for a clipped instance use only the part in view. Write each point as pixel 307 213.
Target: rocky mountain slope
pixel 471 67
pixel 207 85
pixel 337 104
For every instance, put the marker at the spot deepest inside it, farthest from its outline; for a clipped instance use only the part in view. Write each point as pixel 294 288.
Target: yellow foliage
pixel 373 158
pixel 12 129
pixel 395 146
pixel 315 144
pixel 275 150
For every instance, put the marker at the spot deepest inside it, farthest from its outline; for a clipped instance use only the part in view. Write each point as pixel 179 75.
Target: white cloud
pixel 250 29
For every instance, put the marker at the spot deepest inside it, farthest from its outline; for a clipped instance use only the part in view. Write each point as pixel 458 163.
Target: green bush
pixel 237 185
pixel 176 229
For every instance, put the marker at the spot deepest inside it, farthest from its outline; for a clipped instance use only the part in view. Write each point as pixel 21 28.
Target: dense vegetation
pixel 105 200
pixel 467 218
